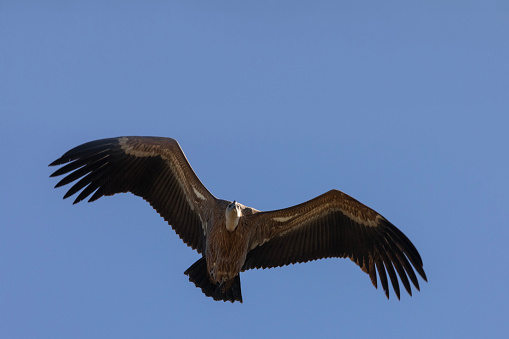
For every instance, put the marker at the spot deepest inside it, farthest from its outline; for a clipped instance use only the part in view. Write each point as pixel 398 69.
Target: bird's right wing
pixel 153 168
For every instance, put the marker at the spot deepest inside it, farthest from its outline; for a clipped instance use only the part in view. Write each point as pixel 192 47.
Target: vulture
pixel 230 236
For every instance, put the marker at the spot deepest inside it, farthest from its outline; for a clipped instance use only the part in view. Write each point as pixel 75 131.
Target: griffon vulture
pixel 232 237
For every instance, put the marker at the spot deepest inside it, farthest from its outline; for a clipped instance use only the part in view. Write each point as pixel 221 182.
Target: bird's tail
pixel 199 275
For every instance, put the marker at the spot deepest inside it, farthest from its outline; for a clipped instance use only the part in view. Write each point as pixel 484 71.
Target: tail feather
pixel 199 275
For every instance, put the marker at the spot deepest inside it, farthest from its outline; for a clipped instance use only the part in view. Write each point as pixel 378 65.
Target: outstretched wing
pixel 335 225
pixel 153 168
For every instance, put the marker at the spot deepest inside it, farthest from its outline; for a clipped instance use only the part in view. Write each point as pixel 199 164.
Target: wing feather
pixel 335 225
pixel 153 168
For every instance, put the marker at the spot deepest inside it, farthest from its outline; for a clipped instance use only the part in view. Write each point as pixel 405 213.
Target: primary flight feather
pixel 232 237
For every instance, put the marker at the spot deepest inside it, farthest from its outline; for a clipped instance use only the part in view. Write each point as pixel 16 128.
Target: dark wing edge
pixel 334 225
pixel 153 168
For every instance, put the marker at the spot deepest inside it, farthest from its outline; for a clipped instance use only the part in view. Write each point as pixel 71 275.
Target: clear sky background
pixel 403 105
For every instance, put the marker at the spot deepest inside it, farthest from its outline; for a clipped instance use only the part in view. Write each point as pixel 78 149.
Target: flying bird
pixel 231 237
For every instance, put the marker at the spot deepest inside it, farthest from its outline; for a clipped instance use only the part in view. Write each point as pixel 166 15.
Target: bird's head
pixel 233 214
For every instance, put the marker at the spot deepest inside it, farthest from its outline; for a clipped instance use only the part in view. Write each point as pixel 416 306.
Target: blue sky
pixel 402 105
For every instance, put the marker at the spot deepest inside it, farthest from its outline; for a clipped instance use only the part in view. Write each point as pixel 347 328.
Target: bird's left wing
pixel 334 225
pixel 153 168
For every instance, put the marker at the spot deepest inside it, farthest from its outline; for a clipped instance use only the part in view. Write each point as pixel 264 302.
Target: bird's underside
pixel 232 237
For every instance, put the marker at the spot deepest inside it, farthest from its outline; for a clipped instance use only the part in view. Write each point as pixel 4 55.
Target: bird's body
pixel 230 236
